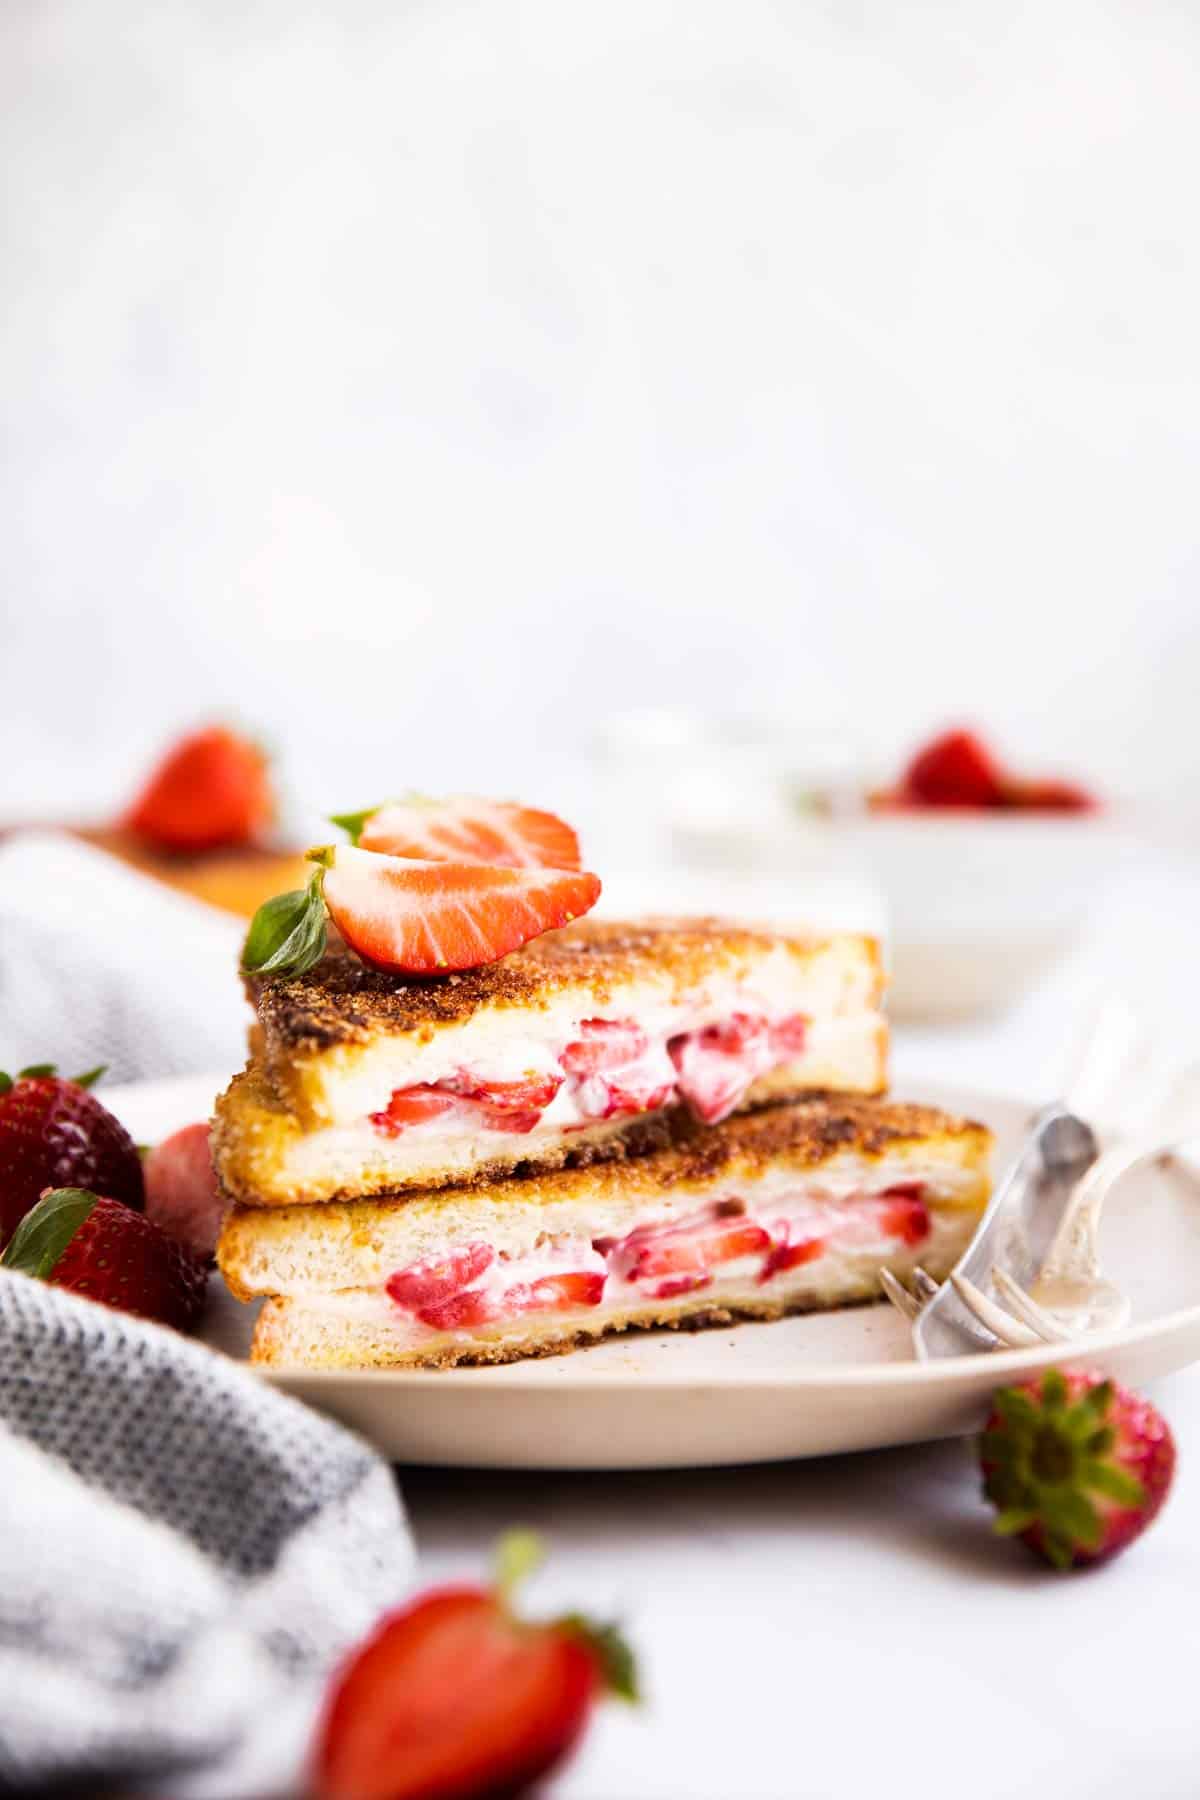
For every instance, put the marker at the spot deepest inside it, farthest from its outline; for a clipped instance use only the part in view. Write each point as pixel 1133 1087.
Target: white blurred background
pixel 423 382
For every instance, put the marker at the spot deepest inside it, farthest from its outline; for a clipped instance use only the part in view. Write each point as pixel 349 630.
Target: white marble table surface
pixel 850 1627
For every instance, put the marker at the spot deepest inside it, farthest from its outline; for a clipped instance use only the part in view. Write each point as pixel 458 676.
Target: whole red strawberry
pixel 55 1133
pixel 1076 1465
pixel 101 1249
pixel 181 1190
pixel 212 789
pixel 455 1698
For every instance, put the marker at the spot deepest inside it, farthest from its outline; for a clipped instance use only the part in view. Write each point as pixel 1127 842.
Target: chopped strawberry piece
pixel 456 1311
pixel 211 789
pixel 691 1247
pixel 955 770
pixel 555 1293
pixel 631 1096
pixel 789 1035
pixel 413 1106
pixel 456 1697
pixel 503 1105
pixel 515 1106
pixel 437 1278
pixel 426 918
pixel 681 1284
pixel 716 1066
pixel 736 1036
pixel 906 1219
pixel 604 1044
pixel 791 1256
pixel 904 1190
pixel 464 829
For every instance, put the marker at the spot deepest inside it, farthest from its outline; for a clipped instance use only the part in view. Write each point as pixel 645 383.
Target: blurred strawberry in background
pixel 958 769
pixel 212 790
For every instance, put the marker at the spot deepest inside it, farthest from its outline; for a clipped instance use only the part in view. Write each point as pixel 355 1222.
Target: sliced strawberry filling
pixel 472 1286
pixel 692 1247
pixel 715 1067
pixel 501 1105
pixel 612 1070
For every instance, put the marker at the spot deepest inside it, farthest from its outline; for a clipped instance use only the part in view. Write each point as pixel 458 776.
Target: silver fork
pixel 1070 1294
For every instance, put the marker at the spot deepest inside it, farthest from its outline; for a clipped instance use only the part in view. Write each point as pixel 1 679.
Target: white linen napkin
pixel 99 964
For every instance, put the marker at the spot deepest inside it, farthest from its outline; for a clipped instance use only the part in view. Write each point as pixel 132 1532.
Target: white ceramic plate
pixel 807 1386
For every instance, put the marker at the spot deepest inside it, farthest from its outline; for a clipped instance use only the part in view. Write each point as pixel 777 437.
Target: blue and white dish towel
pixel 184 1555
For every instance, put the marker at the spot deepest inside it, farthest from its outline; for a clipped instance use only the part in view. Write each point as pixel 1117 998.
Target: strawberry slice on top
pixel 427 918
pixel 466 829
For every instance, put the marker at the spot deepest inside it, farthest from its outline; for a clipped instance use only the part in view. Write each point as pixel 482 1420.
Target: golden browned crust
pixel 251 1133
pixel 342 1001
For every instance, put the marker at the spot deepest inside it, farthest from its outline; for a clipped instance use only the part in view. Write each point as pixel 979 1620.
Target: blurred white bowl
pixel 981 905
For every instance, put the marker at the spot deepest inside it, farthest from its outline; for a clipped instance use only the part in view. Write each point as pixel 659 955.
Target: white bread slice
pixel 829 1166
pixel 357 1329
pixel 332 1048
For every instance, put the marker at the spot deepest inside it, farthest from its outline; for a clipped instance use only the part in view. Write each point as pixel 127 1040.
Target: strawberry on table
pixel 455 1697
pixel 212 789
pixel 1077 1466
pixel 181 1189
pixel 102 1249
pixel 466 829
pixel 55 1133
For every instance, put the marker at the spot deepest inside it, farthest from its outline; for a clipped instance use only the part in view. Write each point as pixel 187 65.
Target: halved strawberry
pixel 212 788
pixel 413 1106
pixel 454 1697
pixel 424 918
pixel 437 1278
pixel 466 829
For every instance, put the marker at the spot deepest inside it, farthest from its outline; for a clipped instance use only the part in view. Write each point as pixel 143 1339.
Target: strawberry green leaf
pixel 36 1069
pixel 517 1555
pixel 1114 1483
pixel 6 1082
pixel 352 823
pixel 90 1077
pixel 287 934
pixel 614 1654
pixel 46 1230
